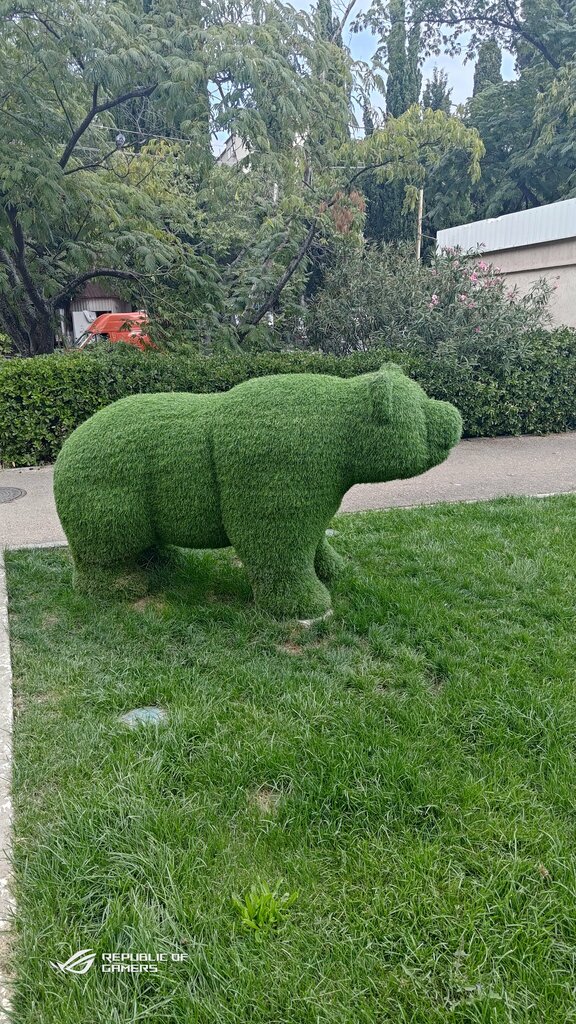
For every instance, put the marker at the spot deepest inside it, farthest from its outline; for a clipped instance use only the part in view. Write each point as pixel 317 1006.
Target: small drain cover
pixel 10 494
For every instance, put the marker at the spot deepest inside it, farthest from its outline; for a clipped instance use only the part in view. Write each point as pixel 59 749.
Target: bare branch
pixel 34 16
pixel 75 284
pixel 340 26
pixel 99 108
pixel 93 166
pixel 513 26
pixel 283 281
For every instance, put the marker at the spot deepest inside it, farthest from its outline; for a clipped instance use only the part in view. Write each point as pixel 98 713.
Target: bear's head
pixel 402 432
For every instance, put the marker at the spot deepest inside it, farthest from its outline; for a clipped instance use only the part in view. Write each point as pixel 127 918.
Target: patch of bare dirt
pixel 143 603
pixel 266 799
pixel 290 648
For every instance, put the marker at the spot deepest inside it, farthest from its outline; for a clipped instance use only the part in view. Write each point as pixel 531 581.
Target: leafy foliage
pixel 402 146
pixel 436 93
pixel 263 909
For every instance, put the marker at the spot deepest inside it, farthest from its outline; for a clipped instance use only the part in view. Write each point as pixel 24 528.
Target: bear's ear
pixel 381 397
pixel 392 367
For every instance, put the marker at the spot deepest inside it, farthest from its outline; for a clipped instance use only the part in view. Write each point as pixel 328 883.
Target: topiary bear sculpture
pixel 262 467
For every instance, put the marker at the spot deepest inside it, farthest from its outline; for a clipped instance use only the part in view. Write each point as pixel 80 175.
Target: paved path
pixel 476 470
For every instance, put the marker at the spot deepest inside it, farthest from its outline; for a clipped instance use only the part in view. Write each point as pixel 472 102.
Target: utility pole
pixel 419 224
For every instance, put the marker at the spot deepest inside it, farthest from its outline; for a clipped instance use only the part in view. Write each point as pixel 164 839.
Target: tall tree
pixel 488 66
pixel 367 119
pixel 403 61
pixel 75 205
pixel 437 95
pixel 329 26
pixel 399 54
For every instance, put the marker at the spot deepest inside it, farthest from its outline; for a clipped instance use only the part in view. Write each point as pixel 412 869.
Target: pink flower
pixel 474 277
pixel 477 329
pixel 482 265
pixel 434 301
pixel 463 297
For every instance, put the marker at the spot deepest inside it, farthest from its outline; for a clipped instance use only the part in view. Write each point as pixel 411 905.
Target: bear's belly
pixel 192 533
pixel 186 504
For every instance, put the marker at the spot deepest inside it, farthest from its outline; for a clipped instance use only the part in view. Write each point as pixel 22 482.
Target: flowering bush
pixel 458 307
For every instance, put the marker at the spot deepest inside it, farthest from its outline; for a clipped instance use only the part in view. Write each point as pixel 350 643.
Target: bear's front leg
pixel 328 563
pixel 286 587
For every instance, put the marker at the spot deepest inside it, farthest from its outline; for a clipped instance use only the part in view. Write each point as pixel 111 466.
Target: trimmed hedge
pixel 43 399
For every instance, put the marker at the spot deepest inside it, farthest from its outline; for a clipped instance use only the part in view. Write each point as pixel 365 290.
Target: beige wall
pixel 555 261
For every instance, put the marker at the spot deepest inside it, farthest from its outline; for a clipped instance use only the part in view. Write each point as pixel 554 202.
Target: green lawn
pixel 408 768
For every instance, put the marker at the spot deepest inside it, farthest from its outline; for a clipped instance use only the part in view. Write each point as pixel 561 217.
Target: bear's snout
pixel 444 426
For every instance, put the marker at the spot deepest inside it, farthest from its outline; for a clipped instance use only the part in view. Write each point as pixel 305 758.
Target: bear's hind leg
pixel 327 562
pixel 107 538
pixel 123 580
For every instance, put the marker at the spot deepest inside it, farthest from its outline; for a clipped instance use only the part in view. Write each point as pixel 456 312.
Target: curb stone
pixel 6 717
pixel 7 903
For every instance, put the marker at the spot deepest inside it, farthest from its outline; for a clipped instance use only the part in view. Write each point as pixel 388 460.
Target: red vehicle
pixel 113 327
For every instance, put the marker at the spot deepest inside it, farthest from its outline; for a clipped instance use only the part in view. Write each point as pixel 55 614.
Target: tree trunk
pixel 43 337
pixel 31 335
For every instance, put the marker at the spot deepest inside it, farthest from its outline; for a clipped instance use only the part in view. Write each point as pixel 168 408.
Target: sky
pixel 460 75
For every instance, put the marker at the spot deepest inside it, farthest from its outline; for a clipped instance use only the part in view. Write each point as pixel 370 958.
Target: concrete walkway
pixel 476 470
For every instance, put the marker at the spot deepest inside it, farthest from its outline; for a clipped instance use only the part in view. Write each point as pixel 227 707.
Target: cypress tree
pixel 487 71
pixel 436 95
pixel 385 221
pixel 404 77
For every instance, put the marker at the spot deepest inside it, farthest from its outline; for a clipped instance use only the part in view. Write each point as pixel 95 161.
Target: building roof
pixel 529 227
pixel 95 290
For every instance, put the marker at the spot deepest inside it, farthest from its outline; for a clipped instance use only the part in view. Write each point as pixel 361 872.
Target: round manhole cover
pixel 10 494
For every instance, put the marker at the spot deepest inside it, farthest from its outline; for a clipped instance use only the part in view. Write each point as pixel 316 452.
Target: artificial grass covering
pixel 263 467
pixel 406 767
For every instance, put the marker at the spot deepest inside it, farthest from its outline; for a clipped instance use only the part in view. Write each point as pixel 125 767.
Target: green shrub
pixel 43 399
pixel 457 307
